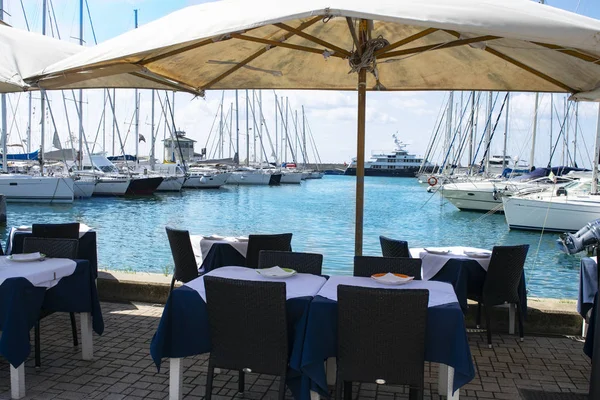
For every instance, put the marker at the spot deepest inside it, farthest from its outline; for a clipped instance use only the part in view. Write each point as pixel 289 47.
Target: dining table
pixel 52 284
pixel 87 249
pixel 465 268
pixel 216 251
pixel 183 330
pixel 446 340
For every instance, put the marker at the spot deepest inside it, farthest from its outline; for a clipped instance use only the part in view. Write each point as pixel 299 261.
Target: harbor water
pixel 320 214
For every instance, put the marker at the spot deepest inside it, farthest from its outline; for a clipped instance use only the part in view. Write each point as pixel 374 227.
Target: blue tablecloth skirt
pixel 183 331
pixel 221 255
pixel 446 343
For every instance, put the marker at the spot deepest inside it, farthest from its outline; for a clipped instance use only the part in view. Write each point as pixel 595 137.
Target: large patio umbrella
pixel 508 45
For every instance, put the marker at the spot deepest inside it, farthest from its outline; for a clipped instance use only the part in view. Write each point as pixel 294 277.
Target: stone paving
pixel 122 367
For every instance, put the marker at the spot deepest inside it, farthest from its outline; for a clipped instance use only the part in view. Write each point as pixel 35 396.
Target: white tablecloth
pixel 439 292
pixel 202 244
pixel 433 263
pixel 45 273
pixel 299 285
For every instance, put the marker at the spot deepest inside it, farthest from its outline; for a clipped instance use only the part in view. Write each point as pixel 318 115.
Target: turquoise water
pixel 320 214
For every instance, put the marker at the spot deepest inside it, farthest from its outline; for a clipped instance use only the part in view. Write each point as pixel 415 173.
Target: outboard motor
pixel 587 236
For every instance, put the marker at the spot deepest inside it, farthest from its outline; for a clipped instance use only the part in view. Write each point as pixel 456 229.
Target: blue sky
pixel 331 115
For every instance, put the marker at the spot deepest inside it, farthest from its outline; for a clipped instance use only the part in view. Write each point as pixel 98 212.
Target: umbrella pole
pixel 360 162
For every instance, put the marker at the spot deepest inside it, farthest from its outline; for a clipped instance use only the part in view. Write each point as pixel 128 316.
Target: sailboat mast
pixel 221 138
pixel 596 156
pixel 42 100
pixel 80 91
pixel 4 132
pixel 247 131
pixel 237 128
pixel 104 122
pixel 449 124
pixel 575 134
pixel 137 107
pixel 534 134
pixel 551 124
pixel 304 136
pixel 152 134
pixel 260 120
pixel 276 132
pixel 471 130
pixel 505 132
pixel 566 142
pixel 114 125
pixel 230 128
pixel 488 133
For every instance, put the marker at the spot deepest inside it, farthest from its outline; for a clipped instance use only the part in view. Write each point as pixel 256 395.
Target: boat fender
pixel 561 191
pixel 495 194
pixel 432 181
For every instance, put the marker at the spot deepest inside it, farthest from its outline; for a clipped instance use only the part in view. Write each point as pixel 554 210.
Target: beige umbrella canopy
pixel 509 45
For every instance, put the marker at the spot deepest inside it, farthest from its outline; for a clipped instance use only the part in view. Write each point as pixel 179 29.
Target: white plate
pixel 477 254
pixel 23 228
pixel 391 279
pixel 437 251
pixel 276 272
pixel 28 257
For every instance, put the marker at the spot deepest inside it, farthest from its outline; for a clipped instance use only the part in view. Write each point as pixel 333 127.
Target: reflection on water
pixel 320 214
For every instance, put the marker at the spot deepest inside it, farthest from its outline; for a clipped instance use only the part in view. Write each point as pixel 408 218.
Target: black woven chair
pixel 53 248
pixel 58 231
pixel 393 247
pixel 186 268
pixel 256 243
pixel 501 285
pixel 307 263
pixel 366 266
pixel 381 338
pixel 248 329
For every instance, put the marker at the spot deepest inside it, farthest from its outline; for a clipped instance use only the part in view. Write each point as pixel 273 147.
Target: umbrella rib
pixel 275 43
pixel 571 52
pixel 354 36
pixel 405 41
pixel 438 46
pixel 313 39
pixel 167 82
pixel 258 53
pixel 529 69
pixel 174 52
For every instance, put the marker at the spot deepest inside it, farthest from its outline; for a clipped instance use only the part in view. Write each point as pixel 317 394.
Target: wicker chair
pixel 393 247
pixel 58 231
pixel 307 263
pixel 381 338
pixel 501 285
pixel 54 248
pixel 366 266
pixel 256 243
pixel 248 329
pixel 186 268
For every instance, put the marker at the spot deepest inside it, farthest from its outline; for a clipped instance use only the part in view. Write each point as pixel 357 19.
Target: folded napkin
pixel 477 253
pixel 214 237
pixel 26 256
pixel 391 278
pixel 274 272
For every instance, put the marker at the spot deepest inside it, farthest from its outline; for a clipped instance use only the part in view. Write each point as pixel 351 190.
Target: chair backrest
pixel 186 268
pixel 59 231
pixel 51 247
pixel 307 263
pixel 393 247
pixel 504 274
pixel 256 243
pixel 366 266
pixel 248 324
pixel 381 334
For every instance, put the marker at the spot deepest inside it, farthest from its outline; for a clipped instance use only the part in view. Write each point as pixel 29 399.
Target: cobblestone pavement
pixel 122 367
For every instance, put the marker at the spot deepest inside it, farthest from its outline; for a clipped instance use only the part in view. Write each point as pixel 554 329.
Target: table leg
pixel 17 381
pixel 87 344
pixel 445 382
pixel 512 314
pixel 314 395
pixel 175 378
pixel 331 370
pixel 584 329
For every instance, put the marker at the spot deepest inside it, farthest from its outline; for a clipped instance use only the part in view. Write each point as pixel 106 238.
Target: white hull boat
pixel 291 177
pixel 206 181
pixel 36 189
pixel 171 184
pixel 315 175
pixel 249 178
pixel 111 186
pixel 553 210
pixel 83 188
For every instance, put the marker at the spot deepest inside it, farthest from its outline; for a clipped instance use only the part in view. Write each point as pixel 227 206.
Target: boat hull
pixel 111 187
pixel 291 178
pixel 473 200
pixel 83 189
pixel 143 186
pixel 562 214
pixel 315 175
pixel 28 189
pixel 396 173
pixel 171 184
pixel 211 181
pixel 275 179
pixel 249 178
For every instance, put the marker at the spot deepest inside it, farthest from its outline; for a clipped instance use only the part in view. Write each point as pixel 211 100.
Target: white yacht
pixel 206 178
pixel 36 189
pixel 398 163
pixel 561 209
pixel 288 176
pixel 249 176
pixel 83 187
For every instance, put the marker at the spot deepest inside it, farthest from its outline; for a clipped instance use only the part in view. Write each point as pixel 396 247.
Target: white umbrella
pixel 509 45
